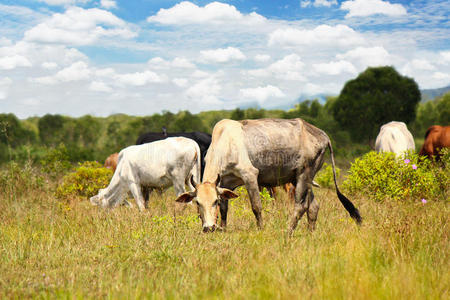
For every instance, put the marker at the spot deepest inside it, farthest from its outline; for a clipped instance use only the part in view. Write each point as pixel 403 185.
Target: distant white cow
pixel 394 137
pixel 160 164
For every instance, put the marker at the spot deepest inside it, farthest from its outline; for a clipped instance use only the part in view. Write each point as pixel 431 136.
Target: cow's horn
pixel 217 180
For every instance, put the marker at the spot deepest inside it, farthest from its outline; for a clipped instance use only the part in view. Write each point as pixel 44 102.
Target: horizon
pixel 106 57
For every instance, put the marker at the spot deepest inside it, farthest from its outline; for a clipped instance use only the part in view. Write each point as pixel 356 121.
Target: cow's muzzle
pixel 207 229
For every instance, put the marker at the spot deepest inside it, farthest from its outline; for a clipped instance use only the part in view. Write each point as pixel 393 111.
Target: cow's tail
pixel 352 210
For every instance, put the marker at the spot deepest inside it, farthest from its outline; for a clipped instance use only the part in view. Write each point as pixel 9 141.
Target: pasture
pixel 50 248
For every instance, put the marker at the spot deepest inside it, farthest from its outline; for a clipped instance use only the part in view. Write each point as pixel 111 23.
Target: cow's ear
pixel 226 193
pixel 186 197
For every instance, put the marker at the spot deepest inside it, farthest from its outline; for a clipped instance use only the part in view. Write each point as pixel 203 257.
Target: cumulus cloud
pixel 177 62
pixel 262 57
pixel 181 82
pixel 63 2
pixel 222 55
pixel 287 68
pixel 206 91
pixel 318 3
pixel 213 13
pixel 445 56
pixel 335 68
pixel 5 82
pixel 14 61
pixel 364 8
pixel 262 94
pixel 140 78
pixel 49 65
pixel 367 56
pixel 75 72
pixel 108 4
pixel 98 86
pixel 323 35
pixel 78 26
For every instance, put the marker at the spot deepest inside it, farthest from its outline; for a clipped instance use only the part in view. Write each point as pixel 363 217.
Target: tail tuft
pixel 352 210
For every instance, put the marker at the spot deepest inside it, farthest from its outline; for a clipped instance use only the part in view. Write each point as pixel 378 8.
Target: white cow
pixel 160 164
pixel 394 137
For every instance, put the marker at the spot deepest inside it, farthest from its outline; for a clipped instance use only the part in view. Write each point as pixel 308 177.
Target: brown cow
pixel 436 138
pixel 111 162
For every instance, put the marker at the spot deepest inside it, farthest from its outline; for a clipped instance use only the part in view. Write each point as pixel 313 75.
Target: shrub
pixel 85 181
pixel 15 180
pixel 56 161
pixel 385 175
pixel 325 176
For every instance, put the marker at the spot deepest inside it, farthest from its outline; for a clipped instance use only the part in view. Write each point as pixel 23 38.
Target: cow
pixel 111 161
pixel 394 137
pixel 436 138
pixel 154 165
pixel 266 152
pixel 203 140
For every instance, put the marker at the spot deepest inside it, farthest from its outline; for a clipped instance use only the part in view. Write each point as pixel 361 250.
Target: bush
pixel 56 161
pixel 16 180
pixel 385 175
pixel 85 181
pixel 325 176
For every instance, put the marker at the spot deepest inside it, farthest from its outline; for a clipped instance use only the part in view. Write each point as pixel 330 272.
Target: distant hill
pixel 431 94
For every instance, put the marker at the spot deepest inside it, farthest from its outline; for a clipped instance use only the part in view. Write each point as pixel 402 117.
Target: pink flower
pixel 406 161
pixel 414 167
pixel 424 201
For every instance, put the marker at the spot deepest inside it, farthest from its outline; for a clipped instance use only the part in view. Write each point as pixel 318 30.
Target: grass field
pixel 74 250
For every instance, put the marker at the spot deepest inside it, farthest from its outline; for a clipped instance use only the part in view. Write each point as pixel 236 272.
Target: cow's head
pixel 207 196
pixel 98 199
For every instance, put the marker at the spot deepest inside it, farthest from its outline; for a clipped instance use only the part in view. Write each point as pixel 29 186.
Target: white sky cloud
pixel 4 86
pixel 98 86
pixel 367 56
pixel 62 2
pixel 207 91
pixel 335 68
pixel 364 8
pixel 108 4
pixel 262 94
pixel 216 55
pixel 14 61
pixel 214 13
pixel 318 3
pixel 49 65
pixel 222 55
pixel 78 26
pixel 177 62
pixel 322 35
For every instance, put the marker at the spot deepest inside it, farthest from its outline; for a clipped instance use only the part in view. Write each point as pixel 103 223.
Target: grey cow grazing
pixel 266 152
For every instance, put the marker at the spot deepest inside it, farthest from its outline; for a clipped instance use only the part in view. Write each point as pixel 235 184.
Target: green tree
pixel 377 96
pixel 237 114
pixel 51 129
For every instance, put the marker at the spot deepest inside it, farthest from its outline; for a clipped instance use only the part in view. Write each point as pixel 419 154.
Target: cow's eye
pixel 216 203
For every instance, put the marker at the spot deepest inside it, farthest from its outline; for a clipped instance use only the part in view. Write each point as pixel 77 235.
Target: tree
pixel 51 129
pixel 377 96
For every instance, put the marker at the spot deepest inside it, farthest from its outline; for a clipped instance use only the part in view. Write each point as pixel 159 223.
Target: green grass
pixel 51 249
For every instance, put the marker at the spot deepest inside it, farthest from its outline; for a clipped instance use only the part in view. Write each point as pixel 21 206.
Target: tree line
pixel 352 120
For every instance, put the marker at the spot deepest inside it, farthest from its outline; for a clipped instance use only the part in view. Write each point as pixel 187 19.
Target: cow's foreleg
pixel 251 183
pixel 223 204
pixel 137 194
pixel 301 201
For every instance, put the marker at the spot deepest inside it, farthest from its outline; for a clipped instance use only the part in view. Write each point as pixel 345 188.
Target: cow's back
pixel 276 147
pixel 394 137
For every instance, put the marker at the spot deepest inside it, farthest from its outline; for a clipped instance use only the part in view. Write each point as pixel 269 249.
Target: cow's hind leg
pixel 137 194
pixel 312 211
pixel 301 201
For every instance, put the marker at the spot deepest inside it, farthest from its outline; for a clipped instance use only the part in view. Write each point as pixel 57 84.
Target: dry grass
pixel 52 249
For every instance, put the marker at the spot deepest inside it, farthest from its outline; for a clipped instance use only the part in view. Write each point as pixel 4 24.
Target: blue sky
pixel 100 57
